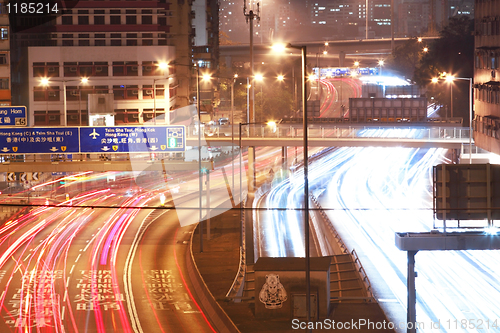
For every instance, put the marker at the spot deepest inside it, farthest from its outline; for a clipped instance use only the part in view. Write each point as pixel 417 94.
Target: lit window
pixel 4 33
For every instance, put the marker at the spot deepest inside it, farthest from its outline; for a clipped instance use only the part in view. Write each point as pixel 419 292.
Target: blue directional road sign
pixel 13 116
pixel 40 140
pixel 125 139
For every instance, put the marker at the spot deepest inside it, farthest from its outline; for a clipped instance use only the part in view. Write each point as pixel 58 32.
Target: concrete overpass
pixel 338 49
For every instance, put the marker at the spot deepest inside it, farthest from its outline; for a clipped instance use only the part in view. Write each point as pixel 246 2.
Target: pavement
pixel 218 265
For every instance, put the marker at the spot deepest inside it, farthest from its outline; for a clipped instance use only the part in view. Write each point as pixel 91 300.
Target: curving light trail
pixel 371 193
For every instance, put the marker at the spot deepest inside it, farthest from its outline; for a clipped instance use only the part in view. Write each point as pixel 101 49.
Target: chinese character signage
pixel 132 139
pixel 68 140
pixel 56 140
pixel 13 116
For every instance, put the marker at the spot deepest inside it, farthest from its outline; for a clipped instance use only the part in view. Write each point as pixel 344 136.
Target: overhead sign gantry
pixel 71 140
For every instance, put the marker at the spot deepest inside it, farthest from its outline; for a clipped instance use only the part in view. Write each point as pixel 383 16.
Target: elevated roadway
pixel 336 49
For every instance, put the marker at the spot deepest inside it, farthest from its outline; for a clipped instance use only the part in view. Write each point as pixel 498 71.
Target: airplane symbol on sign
pixel 94 134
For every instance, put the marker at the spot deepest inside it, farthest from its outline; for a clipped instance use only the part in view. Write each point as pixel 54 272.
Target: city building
pixel 487 75
pixel 279 20
pixel 232 21
pixel 206 47
pixel 120 89
pixel 5 89
pixel 122 47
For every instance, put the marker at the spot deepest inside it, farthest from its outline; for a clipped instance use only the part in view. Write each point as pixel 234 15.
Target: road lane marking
pixel 71 271
pixel 67 282
pixel 78 258
pixel 127 277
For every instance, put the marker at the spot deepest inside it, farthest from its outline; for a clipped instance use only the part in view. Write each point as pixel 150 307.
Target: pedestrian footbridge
pixel 328 136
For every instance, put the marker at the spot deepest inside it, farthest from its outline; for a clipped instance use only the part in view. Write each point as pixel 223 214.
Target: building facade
pixel 487 75
pixel 5 79
pixel 132 81
pixel 121 46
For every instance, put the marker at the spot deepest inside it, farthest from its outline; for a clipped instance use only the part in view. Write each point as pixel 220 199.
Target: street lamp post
pixel 45 82
pixel 450 79
pixel 162 66
pixel 303 50
pixel 241 191
pixel 319 71
pixel 380 64
pixel 235 76
pixel 260 78
pixel 250 16
pixel 200 178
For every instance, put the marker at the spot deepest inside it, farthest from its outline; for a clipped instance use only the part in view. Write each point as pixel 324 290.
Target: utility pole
pixel 250 16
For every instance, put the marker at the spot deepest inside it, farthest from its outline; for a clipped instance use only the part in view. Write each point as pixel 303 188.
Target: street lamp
pixel 325 52
pixel 45 82
pixel 450 79
pixel 260 78
pixel 303 49
pixel 206 77
pixel 162 66
pixel 380 64
pixel 235 76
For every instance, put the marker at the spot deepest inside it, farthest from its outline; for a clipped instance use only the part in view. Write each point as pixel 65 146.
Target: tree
pixel 406 58
pixel 225 40
pixel 452 53
pixel 273 104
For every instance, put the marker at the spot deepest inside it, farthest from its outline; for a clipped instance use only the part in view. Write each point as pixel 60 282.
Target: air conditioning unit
pixel 51 69
pixel 135 116
pixel 134 68
pixel 135 92
pixel 52 94
pixel 147 68
pixel 52 117
pixel 72 69
pixel 149 92
pixel 73 93
pixel 98 69
pixel 73 117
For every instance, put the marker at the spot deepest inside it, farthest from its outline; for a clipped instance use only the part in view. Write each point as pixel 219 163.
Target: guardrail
pixel 330 226
pixel 218 316
pixel 236 290
pixel 361 270
pixel 353 254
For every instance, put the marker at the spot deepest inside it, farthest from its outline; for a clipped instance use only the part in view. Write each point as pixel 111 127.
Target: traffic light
pixel 172 143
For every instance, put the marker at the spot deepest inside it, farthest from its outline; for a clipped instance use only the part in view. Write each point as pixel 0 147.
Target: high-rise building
pixel 414 18
pixel 5 94
pixel 122 46
pixel 487 75
pixel 232 21
pixel 206 47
